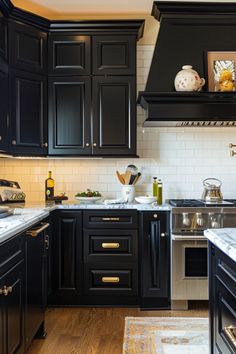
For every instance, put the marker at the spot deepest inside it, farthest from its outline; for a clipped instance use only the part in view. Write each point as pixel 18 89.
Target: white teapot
pixel 188 80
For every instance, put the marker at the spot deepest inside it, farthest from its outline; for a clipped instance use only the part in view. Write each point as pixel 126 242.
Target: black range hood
pixel 187 32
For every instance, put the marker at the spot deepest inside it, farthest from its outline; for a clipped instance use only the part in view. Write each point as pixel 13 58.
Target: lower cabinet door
pixel 4 108
pixel 12 310
pixel 111 280
pixel 67 255
pixel 225 320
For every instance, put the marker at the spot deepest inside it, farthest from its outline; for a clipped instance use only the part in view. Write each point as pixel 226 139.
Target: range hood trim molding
pixel 175 9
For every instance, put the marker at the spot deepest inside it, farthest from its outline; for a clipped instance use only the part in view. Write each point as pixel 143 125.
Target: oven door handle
pixel 188 237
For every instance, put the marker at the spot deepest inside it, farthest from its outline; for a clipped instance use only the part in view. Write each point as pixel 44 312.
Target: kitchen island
pixel 222 290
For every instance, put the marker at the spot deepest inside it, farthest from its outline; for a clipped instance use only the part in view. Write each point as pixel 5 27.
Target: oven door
pixel 189 270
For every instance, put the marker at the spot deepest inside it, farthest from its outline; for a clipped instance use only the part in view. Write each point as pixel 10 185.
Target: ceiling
pixel 95 7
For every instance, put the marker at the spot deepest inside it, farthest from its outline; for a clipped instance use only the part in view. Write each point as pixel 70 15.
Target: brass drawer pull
pixel 34 233
pixel 110 279
pixel 110 245
pixel 46 241
pixel 6 290
pixel 230 332
pixel 111 219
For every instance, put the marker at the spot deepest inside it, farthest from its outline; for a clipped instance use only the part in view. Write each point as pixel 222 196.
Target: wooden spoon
pixel 120 177
pixel 127 176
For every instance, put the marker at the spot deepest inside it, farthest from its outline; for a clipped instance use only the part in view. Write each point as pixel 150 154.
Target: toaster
pixel 10 192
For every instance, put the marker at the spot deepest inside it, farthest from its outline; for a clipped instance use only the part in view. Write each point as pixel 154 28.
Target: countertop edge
pixel 224 239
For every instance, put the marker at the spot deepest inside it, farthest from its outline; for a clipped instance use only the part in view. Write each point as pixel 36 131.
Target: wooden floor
pixel 95 330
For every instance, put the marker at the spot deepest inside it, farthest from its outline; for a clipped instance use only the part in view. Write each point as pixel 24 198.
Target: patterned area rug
pixel 165 335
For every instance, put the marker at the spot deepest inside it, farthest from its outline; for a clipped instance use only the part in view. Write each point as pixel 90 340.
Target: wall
pixel 182 158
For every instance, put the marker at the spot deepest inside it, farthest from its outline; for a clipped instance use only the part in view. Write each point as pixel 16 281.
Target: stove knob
pixel 186 219
pixel 199 219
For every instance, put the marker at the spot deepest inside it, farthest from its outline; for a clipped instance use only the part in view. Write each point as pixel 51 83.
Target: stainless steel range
pixel 190 218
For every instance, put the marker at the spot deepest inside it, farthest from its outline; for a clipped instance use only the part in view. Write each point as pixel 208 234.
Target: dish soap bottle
pixel 49 186
pixel 154 187
pixel 159 192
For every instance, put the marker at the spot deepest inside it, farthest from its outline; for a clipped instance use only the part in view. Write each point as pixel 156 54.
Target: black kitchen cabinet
pixel 155 259
pixel 37 245
pixel 114 115
pixel 69 116
pixel 3 106
pixel 12 290
pixel 28 113
pixel 69 54
pixel 67 258
pixel 222 291
pixel 114 55
pixel 27 48
pixel 110 254
pixel 3 37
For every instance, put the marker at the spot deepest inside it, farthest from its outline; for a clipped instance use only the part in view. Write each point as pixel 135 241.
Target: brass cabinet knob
pixel 5 290
pixel 232 153
pixel 45 145
pixel 13 142
pixel 87 144
pixel 155 216
pixel 94 144
pixel 163 234
pixel 231 146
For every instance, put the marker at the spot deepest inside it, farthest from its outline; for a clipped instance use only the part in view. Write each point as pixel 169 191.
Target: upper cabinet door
pixel 3 107
pixel 114 55
pixel 27 48
pixel 28 113
pixel 69 116
pixel 69 55
pixel 3 37
pixel 114 115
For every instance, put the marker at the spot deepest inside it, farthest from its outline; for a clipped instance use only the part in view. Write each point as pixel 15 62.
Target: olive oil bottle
pixel 159 192
pixel 154 187
pixel 49 186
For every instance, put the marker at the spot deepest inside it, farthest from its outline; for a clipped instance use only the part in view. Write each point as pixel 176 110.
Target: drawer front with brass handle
pixel 226 271
pixel 110 219
pixel 111 280
pixel 110 245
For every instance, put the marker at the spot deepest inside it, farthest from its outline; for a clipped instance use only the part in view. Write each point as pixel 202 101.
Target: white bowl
pixel 88 200
pixel 145 200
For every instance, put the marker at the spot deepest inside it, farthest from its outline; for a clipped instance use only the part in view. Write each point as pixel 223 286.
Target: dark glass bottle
pixel 49 186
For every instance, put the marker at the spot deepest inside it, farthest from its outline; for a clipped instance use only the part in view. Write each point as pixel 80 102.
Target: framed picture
pixel 221 71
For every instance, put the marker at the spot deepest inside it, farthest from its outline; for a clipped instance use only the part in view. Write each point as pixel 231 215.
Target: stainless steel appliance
pixel 189 246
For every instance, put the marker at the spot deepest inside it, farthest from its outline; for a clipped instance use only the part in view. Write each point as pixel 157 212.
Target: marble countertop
pixel 224 239
pixel 27 214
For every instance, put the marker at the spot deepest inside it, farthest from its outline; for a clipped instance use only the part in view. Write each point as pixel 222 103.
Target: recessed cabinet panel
pixel 69 116
pixel 114 114
pixel 3 36
pixel 69 55
pixel 28 113
pixel 28 47
pixel 114 55
pixel 3 109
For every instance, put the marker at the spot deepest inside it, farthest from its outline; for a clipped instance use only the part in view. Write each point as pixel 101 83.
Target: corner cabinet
pixel 155 259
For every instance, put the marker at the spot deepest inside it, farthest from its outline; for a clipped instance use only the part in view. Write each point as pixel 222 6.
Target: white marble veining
pixel 224 239
pixel 20 221
pixel 26 216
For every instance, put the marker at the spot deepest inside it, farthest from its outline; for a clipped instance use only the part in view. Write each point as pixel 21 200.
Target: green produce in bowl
pixel 89 194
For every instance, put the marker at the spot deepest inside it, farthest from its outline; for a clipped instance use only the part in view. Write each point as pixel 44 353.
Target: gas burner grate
pixel 186 203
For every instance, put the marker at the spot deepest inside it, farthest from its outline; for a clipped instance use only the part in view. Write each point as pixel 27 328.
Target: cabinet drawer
pixel 226 271
pixel 117 219
pixel 11 251
pixel 225 319
pixel 110 280
pixel 110 245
